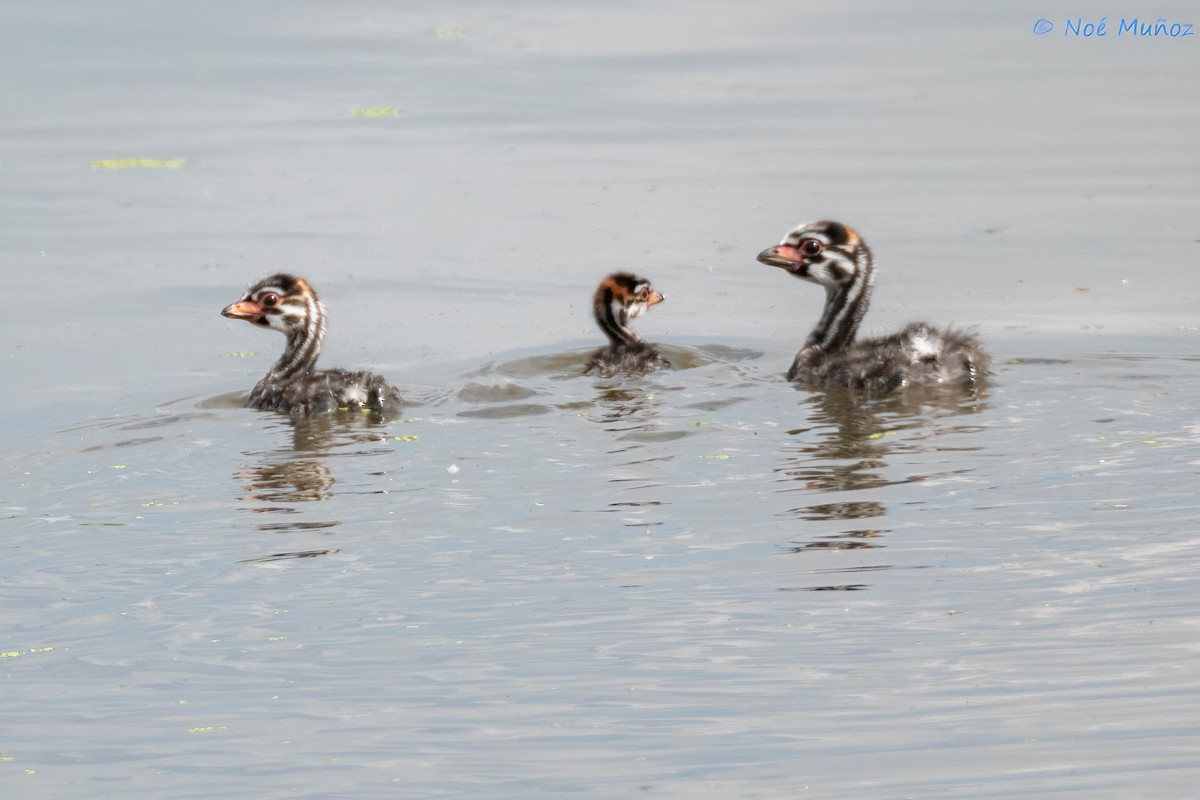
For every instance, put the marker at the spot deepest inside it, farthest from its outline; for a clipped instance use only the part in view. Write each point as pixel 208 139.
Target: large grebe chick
pixel 834 256
pixel 621 298
pixel 289 305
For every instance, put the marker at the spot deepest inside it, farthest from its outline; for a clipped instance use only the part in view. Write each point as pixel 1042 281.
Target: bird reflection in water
pixel 857 539
pixel 632 414
pixel 848 445
pixel 300 473
pixel 626 409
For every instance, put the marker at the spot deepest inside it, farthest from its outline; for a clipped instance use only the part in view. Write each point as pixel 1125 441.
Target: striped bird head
pixel 620 298
pixel 826 253
pixel 281 302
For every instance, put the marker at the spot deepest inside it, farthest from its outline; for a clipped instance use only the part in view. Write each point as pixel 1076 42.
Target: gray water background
pixel 705 583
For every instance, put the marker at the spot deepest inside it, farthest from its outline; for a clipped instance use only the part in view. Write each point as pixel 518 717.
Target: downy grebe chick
pixel 621 298
pixel 832 255
pixel 289 305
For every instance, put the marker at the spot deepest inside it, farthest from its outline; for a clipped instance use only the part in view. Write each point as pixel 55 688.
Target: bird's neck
pixel 614 325
pixel 845 305
pixel 303 347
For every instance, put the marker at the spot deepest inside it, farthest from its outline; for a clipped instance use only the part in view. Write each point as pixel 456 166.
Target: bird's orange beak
pixel 243 309
pixel 654 299
pixel 783 255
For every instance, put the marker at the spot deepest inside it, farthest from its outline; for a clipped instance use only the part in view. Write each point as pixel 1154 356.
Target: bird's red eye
pixel 269 299
pixel 811 247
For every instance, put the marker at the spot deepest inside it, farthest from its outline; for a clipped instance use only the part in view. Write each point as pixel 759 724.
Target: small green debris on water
pixel 6 758
pixel 143 163
pixel 700 422
pixel 31 651
pixel 409 438
pixel 719 455
pixel 1149 441
pixel 881 434
pixel 237 355
pixel 116 466
pixel 375 112
pixel 205 729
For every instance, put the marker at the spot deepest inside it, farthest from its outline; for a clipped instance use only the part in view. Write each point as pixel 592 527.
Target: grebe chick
pixel 289 305
pixel 621 298
pixel 833 255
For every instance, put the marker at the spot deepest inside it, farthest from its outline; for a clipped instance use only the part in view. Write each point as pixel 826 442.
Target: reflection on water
pixel 504 390
pixel 845 443
pixel 299 481
pixel 632 413
pixel 570 364
pixel 848 445
pixel 849 510
pixel 287 556
pixel 850 540
pixel 300 473
pixel 628 410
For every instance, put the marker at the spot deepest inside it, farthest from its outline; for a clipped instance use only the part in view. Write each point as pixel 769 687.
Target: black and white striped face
pixel 620 298
pixel 826 253
pixel 281 302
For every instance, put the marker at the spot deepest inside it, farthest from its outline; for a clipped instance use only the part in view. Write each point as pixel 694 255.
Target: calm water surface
pixel 702 583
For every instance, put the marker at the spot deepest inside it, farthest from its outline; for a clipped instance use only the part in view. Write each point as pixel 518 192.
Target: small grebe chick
pixel 289 305
pixel 834 256
pixel 621 298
